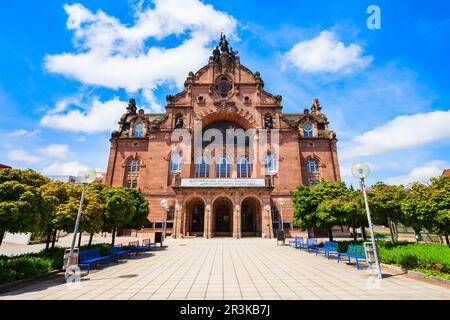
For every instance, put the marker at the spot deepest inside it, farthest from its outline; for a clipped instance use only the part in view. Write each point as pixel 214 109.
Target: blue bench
pixel 136 248
pixel 92 256
pixel 297 242
pixel 356 252
pixel 329 247
pixel 117 251
pixel 309 245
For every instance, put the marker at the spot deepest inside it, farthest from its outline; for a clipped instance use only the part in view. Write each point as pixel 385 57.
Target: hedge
pixel 34 264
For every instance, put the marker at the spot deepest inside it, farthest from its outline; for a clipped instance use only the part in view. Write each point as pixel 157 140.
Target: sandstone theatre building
pixel 221 196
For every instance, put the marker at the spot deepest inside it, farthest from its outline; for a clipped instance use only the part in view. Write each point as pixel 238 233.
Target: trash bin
pixel 281 236
pixel 74 259
pixel 159 238
pixel 370 252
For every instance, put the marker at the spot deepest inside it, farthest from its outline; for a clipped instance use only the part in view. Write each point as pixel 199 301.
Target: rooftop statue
pixel 223 44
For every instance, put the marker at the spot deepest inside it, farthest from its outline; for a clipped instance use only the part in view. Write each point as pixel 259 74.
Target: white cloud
pixel 420 174
pixel 24 133
pixel 114 55
pixel 59 151
pixel 401 133
pixel 19 155
pixel 70 168
pixel 326 53
pixel 100 116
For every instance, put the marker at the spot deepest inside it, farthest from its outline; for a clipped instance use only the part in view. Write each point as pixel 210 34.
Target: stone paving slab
pixel 225 268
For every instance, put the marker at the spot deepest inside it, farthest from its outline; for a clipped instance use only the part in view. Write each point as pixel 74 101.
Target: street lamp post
pixel 164 204
pixel 362 171
pixel 85 176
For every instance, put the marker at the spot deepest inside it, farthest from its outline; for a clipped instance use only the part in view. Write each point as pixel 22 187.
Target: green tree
pixel 141 210
pixel 119 209
pixel 55 195
pixel 416 207
pixel 439 199
pixel 307 199
pixel 20 208
pixel 91 216
pixel 353 211
pixel 28 177
pixel 385 204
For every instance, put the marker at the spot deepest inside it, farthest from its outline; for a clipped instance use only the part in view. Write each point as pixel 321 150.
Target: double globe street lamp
pixel 362 171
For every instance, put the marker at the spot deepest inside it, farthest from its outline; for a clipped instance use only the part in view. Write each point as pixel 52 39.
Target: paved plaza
pixel 226 268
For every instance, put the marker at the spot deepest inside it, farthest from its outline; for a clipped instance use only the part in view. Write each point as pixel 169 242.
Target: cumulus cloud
pixel 21 156
pixel 420 174
pixel 401 133
pixel 70 168
pixel 98 116
pixel 326 53
pixel 114 55
pixel 59 151
pixel 24 133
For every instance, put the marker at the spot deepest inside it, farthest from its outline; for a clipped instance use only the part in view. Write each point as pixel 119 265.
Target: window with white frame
pixel 244 168
pixel 132 174
pixel 175 163
pixel 202 168
pixel 139 130
pixel 312 166
pixel 307 130
pixel 223 168
pixel 270 163
pixel 312 182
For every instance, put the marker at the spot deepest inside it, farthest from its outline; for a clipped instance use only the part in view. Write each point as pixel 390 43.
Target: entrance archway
pixel 195 217
pixel 251 218
pixel 223 217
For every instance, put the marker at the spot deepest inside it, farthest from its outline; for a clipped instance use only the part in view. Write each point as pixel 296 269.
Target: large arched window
pixel 175 163
pixel 244 168
pixel 270 163
pixel 307 130
pixel 223 168
pixel 202 168
pixel 132 175
pixel 139 130
pixel 312 166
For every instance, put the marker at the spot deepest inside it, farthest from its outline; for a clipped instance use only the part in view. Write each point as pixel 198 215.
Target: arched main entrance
pixel 223 217
pixel 195 217
pixel 251 218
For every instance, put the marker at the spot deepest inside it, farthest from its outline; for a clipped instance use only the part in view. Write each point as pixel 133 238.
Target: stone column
pixel 237 222
pixel 266 222
pixel 207 233
pixel 178 220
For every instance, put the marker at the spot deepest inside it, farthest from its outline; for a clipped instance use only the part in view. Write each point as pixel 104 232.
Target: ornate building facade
pixel 222 195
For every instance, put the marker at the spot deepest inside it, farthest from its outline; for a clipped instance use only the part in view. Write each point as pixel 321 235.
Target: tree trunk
pixel 79 239
pixel 363 232
pixel 2 234
pixel 47 243
pixel 54 238
pixel 113 236
pixel 355 234
pixel 446 239
pixel 330 234
pixel 90 240
pixel 390 230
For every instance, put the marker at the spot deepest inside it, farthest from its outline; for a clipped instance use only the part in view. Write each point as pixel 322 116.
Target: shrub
pixel 23 267
pixel 418 256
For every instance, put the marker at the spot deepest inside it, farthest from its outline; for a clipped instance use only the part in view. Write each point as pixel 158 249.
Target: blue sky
pixel 67 70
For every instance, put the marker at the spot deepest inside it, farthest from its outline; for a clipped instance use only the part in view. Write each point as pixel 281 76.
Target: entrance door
pixel 248 218
pixel 198 214
pixel 223 218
